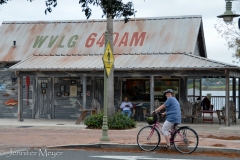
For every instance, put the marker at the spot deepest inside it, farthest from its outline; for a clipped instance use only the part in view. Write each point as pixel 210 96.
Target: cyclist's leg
pixel 172 129
pixel 165 130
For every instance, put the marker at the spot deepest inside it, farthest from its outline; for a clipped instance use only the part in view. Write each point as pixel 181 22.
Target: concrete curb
pixel 135 146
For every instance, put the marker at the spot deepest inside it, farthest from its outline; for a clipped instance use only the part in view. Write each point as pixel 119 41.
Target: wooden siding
pixel 7 87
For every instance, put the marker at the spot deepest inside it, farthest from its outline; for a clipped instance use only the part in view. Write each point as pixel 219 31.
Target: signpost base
pixel 105 130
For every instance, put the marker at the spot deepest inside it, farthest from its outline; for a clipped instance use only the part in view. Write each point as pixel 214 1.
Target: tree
pixel 231 34
pixel 111 9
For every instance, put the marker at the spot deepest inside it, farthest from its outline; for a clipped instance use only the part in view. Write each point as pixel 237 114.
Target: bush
pixel 94 121
pixel 117 121
pixel 120 121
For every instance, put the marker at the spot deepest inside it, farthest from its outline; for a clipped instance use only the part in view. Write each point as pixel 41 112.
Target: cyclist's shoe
pixel 167 146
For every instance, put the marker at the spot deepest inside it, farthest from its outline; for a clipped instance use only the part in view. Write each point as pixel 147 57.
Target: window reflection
pixel 160 85
pixel 138 90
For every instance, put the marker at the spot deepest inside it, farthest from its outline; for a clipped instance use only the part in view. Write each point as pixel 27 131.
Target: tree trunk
pixel 110 91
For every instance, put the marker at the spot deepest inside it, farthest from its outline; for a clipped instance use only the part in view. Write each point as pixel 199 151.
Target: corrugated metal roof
pixel 161 61
pixel 140 35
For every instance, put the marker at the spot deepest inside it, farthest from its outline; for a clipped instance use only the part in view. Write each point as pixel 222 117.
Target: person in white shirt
pixel 126 106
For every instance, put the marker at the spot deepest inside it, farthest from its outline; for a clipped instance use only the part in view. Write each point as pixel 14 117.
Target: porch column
pixel 84 87
pixel 53 98
pixel 234 90
pixel 194 87
pixel 238 98
pixel 227 98
pixel 20 97
pixel 152 94
pixel 200 89
pixel 34 99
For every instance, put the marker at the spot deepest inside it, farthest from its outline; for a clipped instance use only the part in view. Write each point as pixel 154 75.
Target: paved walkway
pixel 44 133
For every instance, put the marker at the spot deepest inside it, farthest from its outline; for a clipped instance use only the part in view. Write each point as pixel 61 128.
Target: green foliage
pixel 196 86
pixel 120 121
pixel 94 121
pixel 5 1
pixel 117 121
pixel 113 8
pixel 231 34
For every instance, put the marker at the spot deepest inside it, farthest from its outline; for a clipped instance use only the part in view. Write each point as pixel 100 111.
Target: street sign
pixel 108 59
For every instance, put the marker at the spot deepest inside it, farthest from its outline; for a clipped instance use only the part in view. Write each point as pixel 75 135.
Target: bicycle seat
pixel 175 124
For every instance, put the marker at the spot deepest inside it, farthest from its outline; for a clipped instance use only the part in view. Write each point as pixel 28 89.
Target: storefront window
pixel 137 90
pixel 160 85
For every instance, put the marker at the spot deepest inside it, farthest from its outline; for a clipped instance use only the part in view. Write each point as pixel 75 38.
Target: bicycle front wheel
pixel 185 140
pixel 148 138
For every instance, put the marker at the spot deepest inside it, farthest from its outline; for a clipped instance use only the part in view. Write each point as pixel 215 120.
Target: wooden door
pixel 43 106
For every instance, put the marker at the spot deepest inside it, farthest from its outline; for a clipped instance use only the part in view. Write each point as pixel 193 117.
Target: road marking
pixel 135 158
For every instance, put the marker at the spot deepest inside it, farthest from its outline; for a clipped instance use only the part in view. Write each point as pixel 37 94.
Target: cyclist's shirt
pixel 173 110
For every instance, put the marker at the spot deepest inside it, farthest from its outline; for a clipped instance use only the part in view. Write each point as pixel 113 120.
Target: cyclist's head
pixel 169 93
pixel 126 99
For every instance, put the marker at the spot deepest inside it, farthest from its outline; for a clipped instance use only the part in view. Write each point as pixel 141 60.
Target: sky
pixel 23 10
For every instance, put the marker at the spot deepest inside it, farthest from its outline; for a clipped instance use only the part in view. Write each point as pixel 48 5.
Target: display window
pixel 161 85
pixel 138 90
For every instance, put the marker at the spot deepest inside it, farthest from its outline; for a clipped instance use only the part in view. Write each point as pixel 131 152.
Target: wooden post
pixel 238 98
pixel 53 100
pixel 201 89
pixel 234 89
pixel 186 89
pixel 227 98
pixel 20 97
pixel 194 89
pixel 152 94
pixel 84 87
pixel 33 97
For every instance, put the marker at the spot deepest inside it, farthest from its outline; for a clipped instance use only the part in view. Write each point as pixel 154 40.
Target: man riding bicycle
pixel 173 114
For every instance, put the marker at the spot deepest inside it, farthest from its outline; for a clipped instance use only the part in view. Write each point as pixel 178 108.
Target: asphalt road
pixel 40 154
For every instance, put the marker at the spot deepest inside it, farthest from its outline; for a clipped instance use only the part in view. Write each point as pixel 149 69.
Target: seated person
pixel 206 104
pixel 126 106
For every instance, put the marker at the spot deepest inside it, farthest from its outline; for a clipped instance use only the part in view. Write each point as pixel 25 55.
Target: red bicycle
pixel 184 138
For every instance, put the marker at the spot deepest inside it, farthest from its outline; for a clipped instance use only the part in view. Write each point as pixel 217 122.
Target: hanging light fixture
pixel 228 15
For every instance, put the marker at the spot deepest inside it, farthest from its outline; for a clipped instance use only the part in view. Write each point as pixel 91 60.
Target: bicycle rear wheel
pixel 185 140
pixel 148 138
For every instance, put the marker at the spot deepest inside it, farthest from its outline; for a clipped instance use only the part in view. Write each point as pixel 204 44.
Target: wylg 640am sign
pixel 119 40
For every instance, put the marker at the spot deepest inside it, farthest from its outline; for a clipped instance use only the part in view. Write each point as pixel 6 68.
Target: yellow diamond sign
pixel 108 59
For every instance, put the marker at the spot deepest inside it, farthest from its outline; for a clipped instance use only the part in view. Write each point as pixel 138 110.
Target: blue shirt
pixel 173 110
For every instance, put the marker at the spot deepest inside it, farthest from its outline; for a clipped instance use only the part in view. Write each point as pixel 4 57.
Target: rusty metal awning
pixel 158 61
pixel 139 35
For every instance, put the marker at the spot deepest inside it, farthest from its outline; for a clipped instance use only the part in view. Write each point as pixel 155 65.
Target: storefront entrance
pixel 138 93
pixel 43 105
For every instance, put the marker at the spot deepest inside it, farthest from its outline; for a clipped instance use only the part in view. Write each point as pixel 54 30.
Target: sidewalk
pixel 33 133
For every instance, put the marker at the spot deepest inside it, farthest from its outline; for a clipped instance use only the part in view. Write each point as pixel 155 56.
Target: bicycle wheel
pixel 148 138
pixel 185 140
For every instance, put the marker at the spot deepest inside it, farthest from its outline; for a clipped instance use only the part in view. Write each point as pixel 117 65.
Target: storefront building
pixel 58 62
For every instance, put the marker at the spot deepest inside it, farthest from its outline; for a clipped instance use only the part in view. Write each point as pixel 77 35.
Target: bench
pixel 84 113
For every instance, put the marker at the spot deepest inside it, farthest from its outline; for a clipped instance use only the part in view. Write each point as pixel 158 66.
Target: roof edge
pixel 102 20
